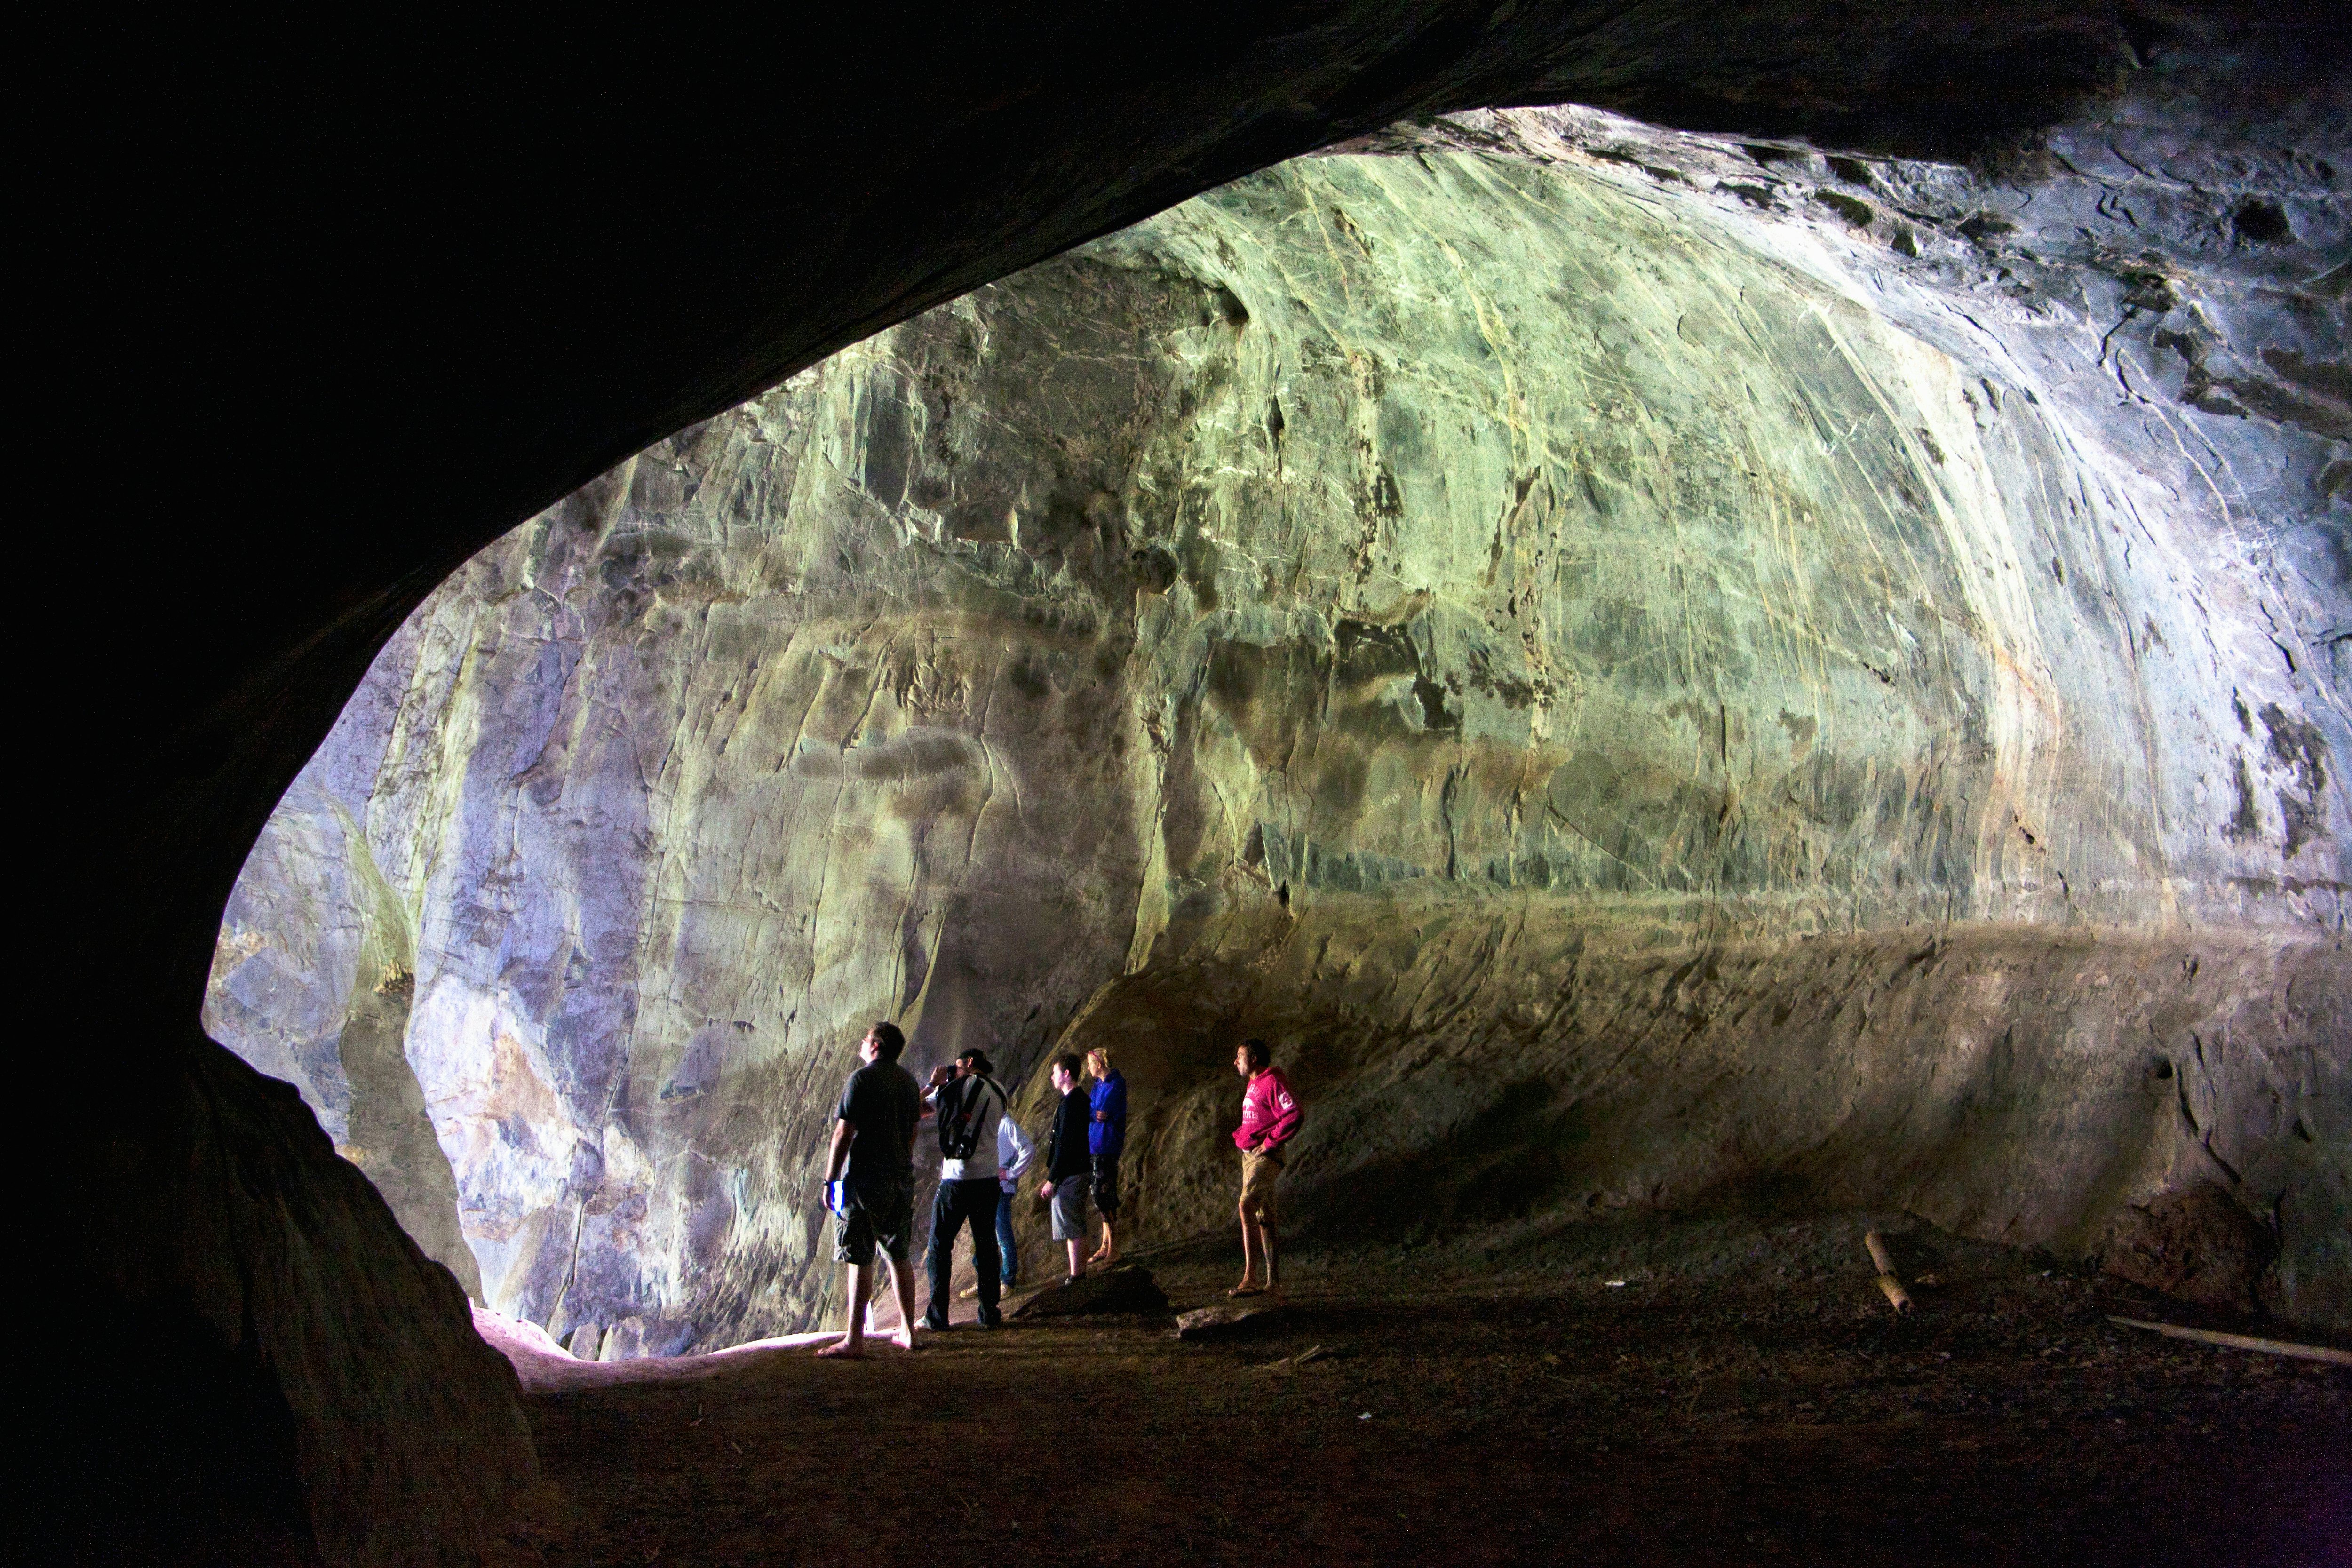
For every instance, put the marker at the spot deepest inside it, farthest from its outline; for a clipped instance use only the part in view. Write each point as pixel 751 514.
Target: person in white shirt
pixel 1016 1152
pixel 970 1108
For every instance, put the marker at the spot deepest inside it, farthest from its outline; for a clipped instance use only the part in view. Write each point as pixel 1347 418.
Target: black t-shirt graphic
pixel 882 1102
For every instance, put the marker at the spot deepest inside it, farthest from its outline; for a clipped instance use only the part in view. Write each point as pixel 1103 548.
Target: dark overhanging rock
pixel 264 1364
pixel 244 651
pixel 498 329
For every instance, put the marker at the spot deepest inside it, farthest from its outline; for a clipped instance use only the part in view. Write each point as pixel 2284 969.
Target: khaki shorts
pixel 1259 1173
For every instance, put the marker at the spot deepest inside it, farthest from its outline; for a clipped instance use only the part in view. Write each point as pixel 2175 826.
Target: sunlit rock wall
pixel 1637 725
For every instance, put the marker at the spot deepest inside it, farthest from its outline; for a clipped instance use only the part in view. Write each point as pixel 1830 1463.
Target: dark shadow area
pixel 180 1448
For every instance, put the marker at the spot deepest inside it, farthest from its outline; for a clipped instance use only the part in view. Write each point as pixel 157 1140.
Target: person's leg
pixel 851 1346
pixel 894 1234
pixel 852 1244
pixel 1110 1209
pixel 1106 1205
pixel 1097 1254
pixel 1269 1217
pixel 902 1269
pixel 1007 1257
pixel 1247 1210
pixel 940 1257
pixel 1069 1202
pixel 979 1199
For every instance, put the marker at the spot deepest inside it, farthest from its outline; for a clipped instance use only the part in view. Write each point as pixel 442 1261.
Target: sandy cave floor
pixel 1744 1397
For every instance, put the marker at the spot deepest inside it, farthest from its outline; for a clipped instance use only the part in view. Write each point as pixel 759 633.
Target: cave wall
pixel 1548 646
pixel 224 1245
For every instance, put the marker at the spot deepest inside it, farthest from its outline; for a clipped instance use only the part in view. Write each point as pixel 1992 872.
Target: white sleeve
pixel 1015 1149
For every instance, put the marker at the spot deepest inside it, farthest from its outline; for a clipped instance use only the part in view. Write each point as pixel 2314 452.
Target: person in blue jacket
pixel 1105 1137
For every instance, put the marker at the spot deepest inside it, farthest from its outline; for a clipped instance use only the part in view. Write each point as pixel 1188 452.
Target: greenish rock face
pixel 1635 726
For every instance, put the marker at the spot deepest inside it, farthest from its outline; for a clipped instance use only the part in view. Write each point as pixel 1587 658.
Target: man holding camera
pixel 970 1106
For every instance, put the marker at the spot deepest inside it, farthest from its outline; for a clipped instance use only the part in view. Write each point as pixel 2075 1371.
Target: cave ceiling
pixel 445 291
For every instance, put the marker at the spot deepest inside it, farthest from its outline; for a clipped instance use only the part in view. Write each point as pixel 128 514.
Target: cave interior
pixel 1730 628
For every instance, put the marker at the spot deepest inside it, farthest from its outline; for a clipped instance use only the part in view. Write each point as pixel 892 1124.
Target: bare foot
pixel 1245 1289
pixel 842 1350
pixel 905 1337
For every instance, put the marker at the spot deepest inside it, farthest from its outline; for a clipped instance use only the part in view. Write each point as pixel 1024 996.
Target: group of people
pixel 870 1184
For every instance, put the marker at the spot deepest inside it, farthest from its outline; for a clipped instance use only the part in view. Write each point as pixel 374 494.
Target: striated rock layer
pixel 1638 724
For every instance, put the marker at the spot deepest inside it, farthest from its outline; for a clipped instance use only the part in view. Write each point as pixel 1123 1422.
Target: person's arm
pixel 839 1156
pixel 1284 1109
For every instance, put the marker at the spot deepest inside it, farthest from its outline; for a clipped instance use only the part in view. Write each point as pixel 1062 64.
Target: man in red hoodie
pixel 1269 1119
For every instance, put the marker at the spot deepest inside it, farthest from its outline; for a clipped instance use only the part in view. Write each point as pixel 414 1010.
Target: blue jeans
pixel 1011 1261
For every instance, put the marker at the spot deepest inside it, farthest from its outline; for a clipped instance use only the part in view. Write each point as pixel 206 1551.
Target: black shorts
pixel 885 1216
pixel 1106 1185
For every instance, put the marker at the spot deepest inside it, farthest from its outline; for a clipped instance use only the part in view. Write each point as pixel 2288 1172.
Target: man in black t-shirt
pixel 869 1183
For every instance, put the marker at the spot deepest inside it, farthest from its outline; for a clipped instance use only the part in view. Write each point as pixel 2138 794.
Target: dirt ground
pixel 1744 1396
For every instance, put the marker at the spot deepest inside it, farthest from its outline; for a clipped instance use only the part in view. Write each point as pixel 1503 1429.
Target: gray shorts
pixel 887 1216
pixel 1070 1207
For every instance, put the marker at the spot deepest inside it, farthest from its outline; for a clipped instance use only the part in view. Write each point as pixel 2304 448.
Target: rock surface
pixel 1655 687
pixel 2196 1245
pixel 1232 1322
pixel 230 1232
pixel 1127 1289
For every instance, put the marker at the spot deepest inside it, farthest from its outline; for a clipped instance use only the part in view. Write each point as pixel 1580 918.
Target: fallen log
pixel 2327 1353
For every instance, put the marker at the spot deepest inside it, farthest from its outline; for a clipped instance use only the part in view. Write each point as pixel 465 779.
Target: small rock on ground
pixel 1225 1322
